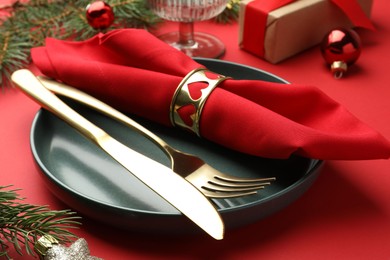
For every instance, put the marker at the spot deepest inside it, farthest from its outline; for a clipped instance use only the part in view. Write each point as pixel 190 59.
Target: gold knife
pixel 173 188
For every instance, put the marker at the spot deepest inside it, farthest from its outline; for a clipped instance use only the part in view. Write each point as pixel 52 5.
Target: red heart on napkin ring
pixel 195 89
pixel 187 114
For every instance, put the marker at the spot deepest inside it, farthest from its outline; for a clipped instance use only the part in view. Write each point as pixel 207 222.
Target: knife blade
pixel 170 186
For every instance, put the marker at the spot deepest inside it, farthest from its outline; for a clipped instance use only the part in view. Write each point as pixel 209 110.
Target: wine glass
pixel 186 12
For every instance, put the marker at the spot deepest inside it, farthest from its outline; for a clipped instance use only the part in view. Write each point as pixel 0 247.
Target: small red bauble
pixel 99 15
pixel 340 49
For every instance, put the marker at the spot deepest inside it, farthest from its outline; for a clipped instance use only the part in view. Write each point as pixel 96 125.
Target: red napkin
pixel 138 74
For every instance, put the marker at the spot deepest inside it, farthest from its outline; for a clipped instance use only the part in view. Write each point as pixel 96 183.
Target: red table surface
pixel 344 215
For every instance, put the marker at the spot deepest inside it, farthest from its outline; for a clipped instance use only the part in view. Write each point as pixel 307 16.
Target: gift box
pixel 278 34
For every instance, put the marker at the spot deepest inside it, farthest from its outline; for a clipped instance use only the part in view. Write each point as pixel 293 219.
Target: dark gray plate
pixel 89 181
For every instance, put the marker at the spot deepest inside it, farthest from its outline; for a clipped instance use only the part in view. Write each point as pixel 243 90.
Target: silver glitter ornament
pixel 48 248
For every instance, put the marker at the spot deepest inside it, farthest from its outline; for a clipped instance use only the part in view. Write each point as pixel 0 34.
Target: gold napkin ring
pixel 182 98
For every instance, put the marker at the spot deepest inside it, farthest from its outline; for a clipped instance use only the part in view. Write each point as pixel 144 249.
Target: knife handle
pixel 29 84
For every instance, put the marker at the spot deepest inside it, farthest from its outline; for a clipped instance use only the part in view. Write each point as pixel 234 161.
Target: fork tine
pixel 223 183
pixel 225 195
pixel 221 188
pixel 239 179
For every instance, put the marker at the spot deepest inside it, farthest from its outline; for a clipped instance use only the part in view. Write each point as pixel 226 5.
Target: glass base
pixel 204 45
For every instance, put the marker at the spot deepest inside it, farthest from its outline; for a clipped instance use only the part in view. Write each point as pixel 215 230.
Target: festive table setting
pixel 301 107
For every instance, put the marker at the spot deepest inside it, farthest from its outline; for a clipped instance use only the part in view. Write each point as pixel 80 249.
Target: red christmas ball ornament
pixel 99 15
pixel 340 49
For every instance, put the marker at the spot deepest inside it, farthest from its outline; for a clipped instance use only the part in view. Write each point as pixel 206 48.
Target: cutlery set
pixel 189 183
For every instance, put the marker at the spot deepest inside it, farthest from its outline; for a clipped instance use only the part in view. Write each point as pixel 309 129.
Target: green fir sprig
pixel 35 20
pixel 22 224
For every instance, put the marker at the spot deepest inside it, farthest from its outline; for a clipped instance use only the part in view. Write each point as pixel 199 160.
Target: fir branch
pixel 36 20
pixel 21 224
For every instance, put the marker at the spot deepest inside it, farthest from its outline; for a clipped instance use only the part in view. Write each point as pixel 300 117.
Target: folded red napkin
pixel 138 74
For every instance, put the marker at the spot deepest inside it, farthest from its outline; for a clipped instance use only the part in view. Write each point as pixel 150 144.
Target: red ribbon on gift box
pixel 256 12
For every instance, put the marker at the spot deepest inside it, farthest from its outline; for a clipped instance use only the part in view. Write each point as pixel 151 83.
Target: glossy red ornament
pixel 99 15
pixel 340 49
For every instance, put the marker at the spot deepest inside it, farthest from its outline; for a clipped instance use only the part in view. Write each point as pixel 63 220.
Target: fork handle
pixel 88 100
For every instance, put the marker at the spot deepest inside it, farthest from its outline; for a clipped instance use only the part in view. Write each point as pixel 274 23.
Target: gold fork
pixel 211 182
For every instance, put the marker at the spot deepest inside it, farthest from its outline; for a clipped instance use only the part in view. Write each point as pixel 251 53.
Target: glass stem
pixel 186 34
